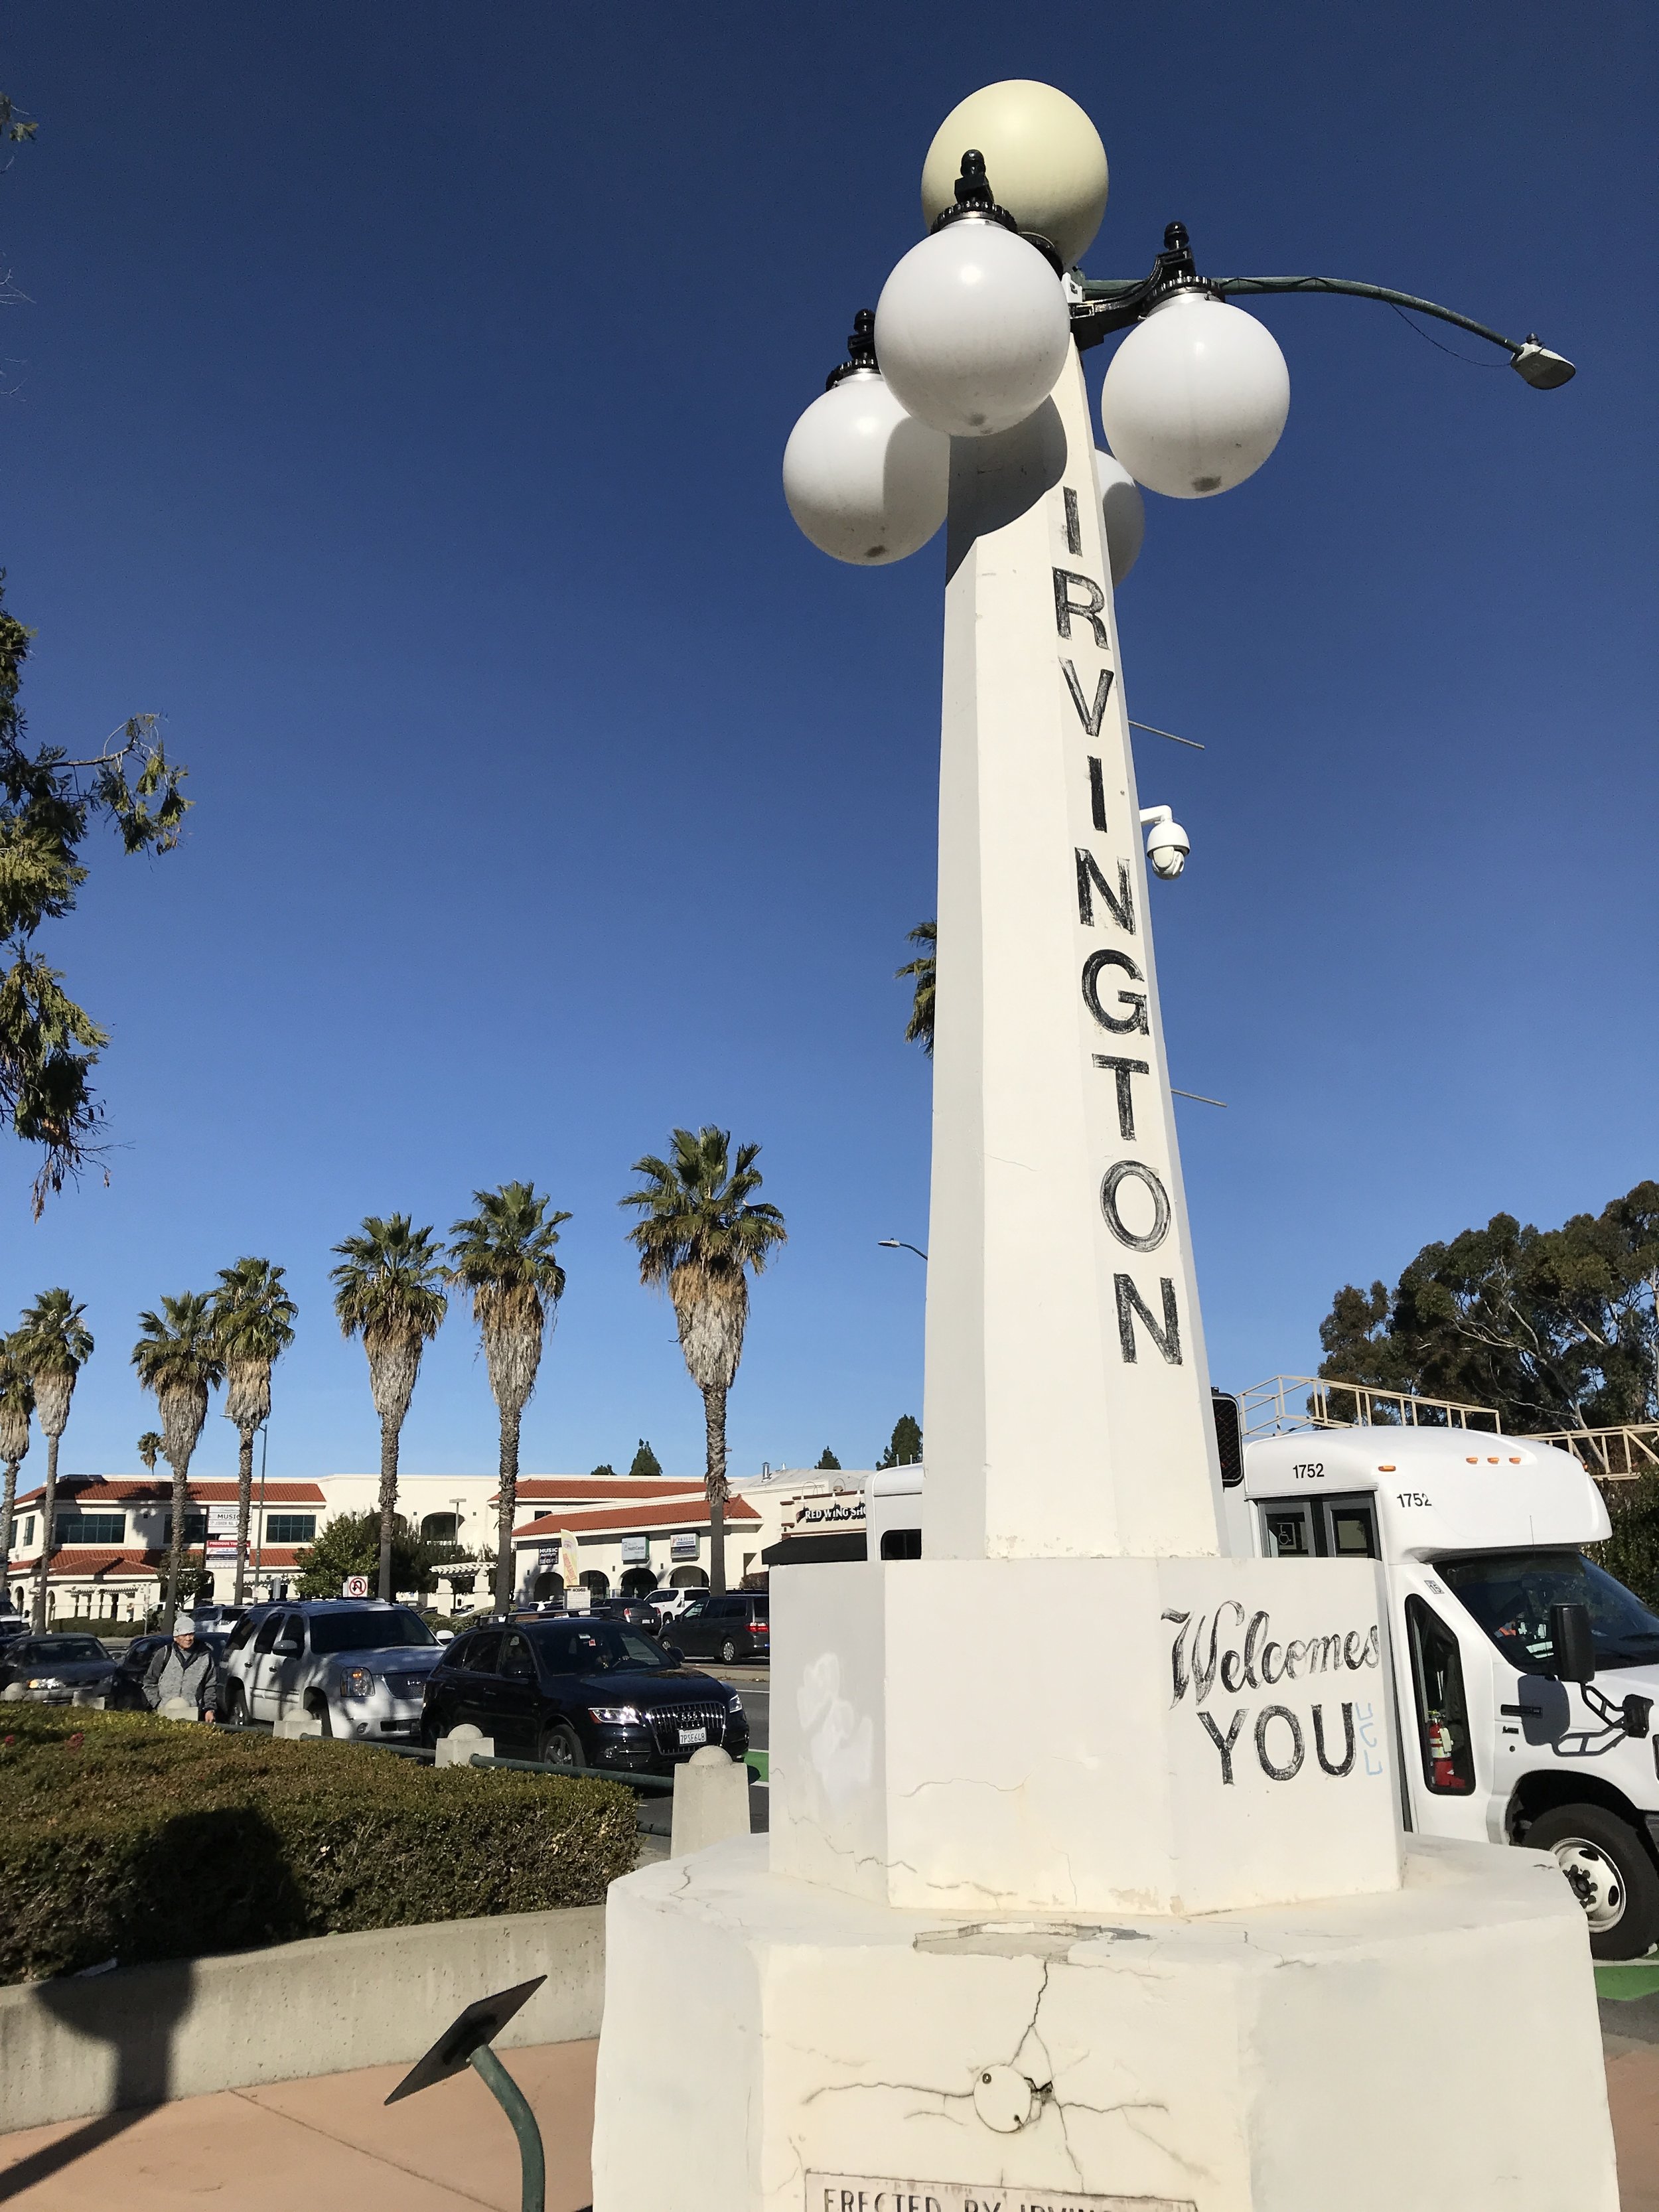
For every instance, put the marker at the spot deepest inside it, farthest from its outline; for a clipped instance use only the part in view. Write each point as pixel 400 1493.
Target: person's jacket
pixel 172 1674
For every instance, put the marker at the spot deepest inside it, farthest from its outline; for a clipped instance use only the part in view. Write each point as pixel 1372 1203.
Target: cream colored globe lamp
pixel 1042 155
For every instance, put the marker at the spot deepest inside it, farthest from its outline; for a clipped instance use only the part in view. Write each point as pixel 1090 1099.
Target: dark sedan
pixel 50 1669
pixel 580 1693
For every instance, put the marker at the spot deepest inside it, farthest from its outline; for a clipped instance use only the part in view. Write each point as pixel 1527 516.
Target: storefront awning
pixel 810 1551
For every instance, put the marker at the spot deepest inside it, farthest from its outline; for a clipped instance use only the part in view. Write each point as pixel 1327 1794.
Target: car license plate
pixel 693 1735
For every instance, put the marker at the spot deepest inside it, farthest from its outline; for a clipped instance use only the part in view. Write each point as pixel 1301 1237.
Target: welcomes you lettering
pixel 1240 1652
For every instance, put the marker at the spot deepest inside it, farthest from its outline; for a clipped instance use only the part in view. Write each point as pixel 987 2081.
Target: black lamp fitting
pixel 860 349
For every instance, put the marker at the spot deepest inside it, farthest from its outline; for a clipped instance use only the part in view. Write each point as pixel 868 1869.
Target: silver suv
pixel 358 1665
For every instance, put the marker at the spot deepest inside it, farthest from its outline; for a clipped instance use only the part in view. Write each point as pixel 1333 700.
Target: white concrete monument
pixel 1085 1885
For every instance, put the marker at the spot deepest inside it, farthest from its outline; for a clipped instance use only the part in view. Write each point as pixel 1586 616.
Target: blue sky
pixel 397 409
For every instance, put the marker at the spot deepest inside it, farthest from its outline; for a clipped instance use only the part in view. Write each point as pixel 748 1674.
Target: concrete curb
pixel 141 2035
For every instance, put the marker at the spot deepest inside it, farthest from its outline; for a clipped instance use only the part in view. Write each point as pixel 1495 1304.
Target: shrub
pixel 123 1836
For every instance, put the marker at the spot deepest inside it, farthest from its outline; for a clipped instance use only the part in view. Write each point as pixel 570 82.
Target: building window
pixel 195 1526
pixel 92 1527
pixel 439 1527
pixel 290 1527
pixel 29 1529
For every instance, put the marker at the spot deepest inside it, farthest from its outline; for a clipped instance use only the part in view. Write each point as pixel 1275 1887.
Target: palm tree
pixel 504 1256
pixel 255 1318
pixel 177 1358
pixel 16 1405
pixel 697 1234
pixel 918 1029
pixel 149 1449
pixel 51 1346
pixel 388 1294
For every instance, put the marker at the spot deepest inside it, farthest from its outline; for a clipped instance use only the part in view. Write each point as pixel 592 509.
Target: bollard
pixel 711 1802
pixel 293 1726
pixel 462 1745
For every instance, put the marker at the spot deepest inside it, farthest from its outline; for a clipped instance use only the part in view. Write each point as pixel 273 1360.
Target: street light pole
pixel 1023 1884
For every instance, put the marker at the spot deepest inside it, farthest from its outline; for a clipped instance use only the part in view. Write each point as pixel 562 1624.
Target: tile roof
pixel 539 1489
pixel 89 1559
pixel 157 1489
pixel 689 1513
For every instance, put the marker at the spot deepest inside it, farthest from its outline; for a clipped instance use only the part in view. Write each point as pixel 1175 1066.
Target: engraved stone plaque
pixel 864 2192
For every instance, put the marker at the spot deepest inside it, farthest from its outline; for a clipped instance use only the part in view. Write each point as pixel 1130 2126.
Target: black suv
pixel 580 1693
pixel 728 1627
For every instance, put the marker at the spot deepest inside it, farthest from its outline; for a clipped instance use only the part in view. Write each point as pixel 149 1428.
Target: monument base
pixel 771 2045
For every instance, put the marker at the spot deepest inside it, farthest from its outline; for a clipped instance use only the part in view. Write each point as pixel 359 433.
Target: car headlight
pixel 616 1716
pixel 357 1683
pixel 734 1703
pixel 45 1682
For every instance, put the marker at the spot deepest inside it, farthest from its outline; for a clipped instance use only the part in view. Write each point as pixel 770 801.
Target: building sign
pixel 222 1521
pixel 547 1557
pixel 856 2192
pixel 683 1547
pixel 815 1515
pixel 635 1551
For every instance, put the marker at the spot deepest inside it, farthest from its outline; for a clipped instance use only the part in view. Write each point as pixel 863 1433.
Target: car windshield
pixel 1510 1593
pixel 603 1649
pixel 390 1631
pixel 67 1648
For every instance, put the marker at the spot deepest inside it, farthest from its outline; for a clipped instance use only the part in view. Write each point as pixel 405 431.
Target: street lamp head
pixel 1544 370
pixel 1044 153
pixel 972 326
pixel 1195 396
pixel 1124 512
pixel 864 480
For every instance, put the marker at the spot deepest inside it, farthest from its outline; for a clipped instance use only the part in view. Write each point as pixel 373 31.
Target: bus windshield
pixel 1510 1593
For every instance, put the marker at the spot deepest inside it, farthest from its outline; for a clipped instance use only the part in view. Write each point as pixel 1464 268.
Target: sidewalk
pixel 331 2143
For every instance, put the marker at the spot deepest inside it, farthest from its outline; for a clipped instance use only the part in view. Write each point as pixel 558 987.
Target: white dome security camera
pixel 1167 843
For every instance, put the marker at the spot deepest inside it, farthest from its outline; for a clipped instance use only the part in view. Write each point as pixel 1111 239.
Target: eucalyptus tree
pixel 52 1345
pixel 177 1358
pixel 16 1406
pixel 503 1255
pixel 254 1317
pixel 918 1029
pixel 388 1291
pixel 699 1235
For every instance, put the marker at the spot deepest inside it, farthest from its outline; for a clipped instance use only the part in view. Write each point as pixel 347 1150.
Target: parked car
pixel 668 1603
pixel 636 1611
pixel 49 1669
pixel 215 1619
pixel 358 1665
pixel 13 1624
pixel 580 1693
pixel 732 1626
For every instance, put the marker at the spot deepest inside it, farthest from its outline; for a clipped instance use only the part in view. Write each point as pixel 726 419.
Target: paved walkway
pixel 332 2142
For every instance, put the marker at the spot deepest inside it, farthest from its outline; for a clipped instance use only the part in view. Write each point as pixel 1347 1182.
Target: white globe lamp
pixel 866 481
pixel 1195 396
pixel 972 327
pixel 1123 511
pixel 1041 153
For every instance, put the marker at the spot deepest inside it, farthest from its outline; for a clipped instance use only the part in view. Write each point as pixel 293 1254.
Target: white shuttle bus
pixel 1524 1675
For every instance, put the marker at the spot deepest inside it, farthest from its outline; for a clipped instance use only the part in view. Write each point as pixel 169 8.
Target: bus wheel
pixel 1611 1874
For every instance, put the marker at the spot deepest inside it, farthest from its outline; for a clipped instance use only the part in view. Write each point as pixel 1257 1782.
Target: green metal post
pixel 511 2098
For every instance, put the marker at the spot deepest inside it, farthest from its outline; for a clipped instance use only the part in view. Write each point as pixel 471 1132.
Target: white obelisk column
pixel 1067 1407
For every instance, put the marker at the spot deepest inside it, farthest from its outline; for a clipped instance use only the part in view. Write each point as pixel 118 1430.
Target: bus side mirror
pixel 1571 1644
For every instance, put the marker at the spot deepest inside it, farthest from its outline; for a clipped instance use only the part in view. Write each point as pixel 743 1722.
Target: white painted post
pixel 711 1802
pixel 461 1745
pixel 1067 1403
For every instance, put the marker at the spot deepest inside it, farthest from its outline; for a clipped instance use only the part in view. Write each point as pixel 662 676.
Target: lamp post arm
pixel 1105 304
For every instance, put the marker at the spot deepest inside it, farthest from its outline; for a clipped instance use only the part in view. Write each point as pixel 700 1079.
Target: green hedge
pixel 126 1837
